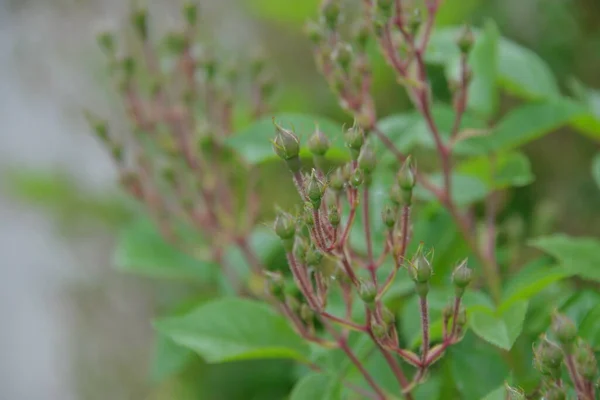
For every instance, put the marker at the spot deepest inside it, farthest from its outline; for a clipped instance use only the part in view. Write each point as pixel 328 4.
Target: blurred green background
pixel 56 175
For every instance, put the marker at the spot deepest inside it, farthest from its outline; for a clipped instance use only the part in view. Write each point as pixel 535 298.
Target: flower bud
pixel 128 65
pixel 387 316
pixel 334 216
pixel 385 7
pixel 275 285
pixel 313 256
pixel 548 355
pixel 420 268
pixel 106 41
pixel 343 56
pixel 362 36
pixel 355 138
pixel 139 20
pixel 284 225
pixel 357 178
pixel 348 171
pixel 336 180
pixel 380 331
pixel 461 277
pixel 461 318
pixel 309 218
pixel 466 40
pixel 190 12
pixel 513 393
pixel 318 143
pixel 585 360
pixel 314 189
pixel 388 215
pixel 564 329
pixel 286 144
pixel 406 176
pixel 306 313
pixel 175 43
pixel 396 195
pixel 553 392
pixel 300 248
pixel 314 32
pixel 367 291
pixel 367 159
pixel 331 13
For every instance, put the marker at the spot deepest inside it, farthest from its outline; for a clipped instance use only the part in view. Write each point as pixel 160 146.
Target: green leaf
pixel 142 250
pixel 466 189
pixel 466 360
pixel 497 394
pixel 169 358
pixel 283 13
pixel 234 329
pixel 500 328
pixel 530 281
pixel 589 329
pixel 255 146
pixel 315 386
pixel 596 169
pixel 525 124
pixel 578 255
pixel 506 170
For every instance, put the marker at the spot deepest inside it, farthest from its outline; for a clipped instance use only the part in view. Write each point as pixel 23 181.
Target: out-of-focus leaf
pixel 466 360
pixel 497 394
pixel 283 13
pixel 169 358
pixel 500 328
pixel 234 329
pixel 142 250
pixel 596 169
pixel 589 329
pixel 506 170
pixel 578 255
pixel 456 11
pixel 254 143
pixel 315 386
pixel 466 189
pixel 579 305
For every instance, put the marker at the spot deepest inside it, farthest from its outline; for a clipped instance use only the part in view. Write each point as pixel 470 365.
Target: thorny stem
pixel 424 326
pixel 455 312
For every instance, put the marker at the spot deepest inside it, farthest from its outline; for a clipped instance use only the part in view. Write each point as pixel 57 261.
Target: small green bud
pixel 343 56
pixel 406 176
pixel 461 318
pixel 564 329
pixel 461 277
pixel 387 316
pixel 315 189
pixel 313 256
pixel 367 291
pixel 300 248
pixel 318 143
pixel 553 392
pixel 258 64
pixel 331 13
pixel 128 65
pixel 117 152
pixel 585 360
pixel 284 225
pixel 355 138
pixel 336 180
pixel 548 355
pixel 106 41
pixel 385 7
pixel 286 144
pixel 267 86
pixel 466 40
pixel 396 195
pixel 380 331
pixel 306 313
pixel 348 171
pixel 362 36
pixel 309 218
pixel 334 216
pixel 175 43
pixel 448 311
pixel 513 393
pixel 168 173
pixel 139 20
pixel 367 161
pixel 190 12
pixel 314 32
pixel 357 178
pixel 388 215
pixel 420 268
pixel 275 285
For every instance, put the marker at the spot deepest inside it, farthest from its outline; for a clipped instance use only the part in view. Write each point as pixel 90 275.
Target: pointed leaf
pixel 506 170
pixel 578 255
pixel 315 386
pixel 499 328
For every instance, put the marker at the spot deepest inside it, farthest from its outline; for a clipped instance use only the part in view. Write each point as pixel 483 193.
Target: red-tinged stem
pixel 575 378
pixel 299 182
pixel 302 282
pixel 319 233
pixel 348 226
pixel 461 102
pixel 367 223
pixel 249 254
pixel 429 25
pixel 455 312
pixel 405 224
pixel 424 326
pixel 344 322
pixel 348 267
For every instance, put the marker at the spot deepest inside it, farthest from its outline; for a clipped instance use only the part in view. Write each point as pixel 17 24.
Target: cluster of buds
pixel 321 258
pixel 179 102
pixel 574 354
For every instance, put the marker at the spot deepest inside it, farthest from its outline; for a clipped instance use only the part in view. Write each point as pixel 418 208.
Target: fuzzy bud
pixel 275 285
pixel 354 138
pixel 406 176
pixel 385 7
pixel 286 144
pixel 585 360
pixel 564 329
pixel 461 277
pixel 309 218
pixel 548 356
pixel 387 316
pixel 420 268
pixel 284 225
pixel 315 189
pixel 343 56
pixel 106 41
pixel 314 32
pixel 313 256
pixel 362 36
pixel 306 313
pixel 357 178
pixel 388 215
pixel 337 180
pixel 318 144
pixel 331 13
pixel 553 392
pixel 190 12
pixel 334 216
pixel 139 20
pixel 367 159
pixel 466 40
pixel 380 331
pixel 396 195
pixel 300 248
pixel 367 291
pixel 414 21
pixel 176 43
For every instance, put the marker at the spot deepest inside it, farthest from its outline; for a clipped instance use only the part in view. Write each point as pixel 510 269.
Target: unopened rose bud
pixel 343 56
pixel 461 277
pixel 414 21
pixel 388 215
pixel 355 138
pixel 406 176
pixel 564 329
pixel 287 146
pixel 314 32
pixel 284 225
pixel 385 8
pixel 466 40
pixel 300 248
pixel 309 218
pixel 380 331
pixel 313 256
pixel 362 36
pixel 549 356
pixel 357 178
pixel 336 180
pixel 334 216
pixel 175 43
pixel 106 41
pixel 420 268
pixel 315 189
pixel 190 12
pixel 367 161
pixel 586 362
pixel 331 11
pixel 275 285
pixel 367 291
pixel 553 392
pixel 306 313
pixel 318 144
pixel 387 316
pixel 139 20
